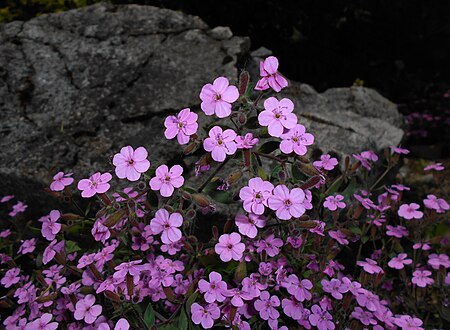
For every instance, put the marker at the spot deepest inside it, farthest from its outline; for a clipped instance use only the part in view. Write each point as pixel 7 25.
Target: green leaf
pixel 72 247
pixel 275 171
pixel 252 123
pixel 296 174
pixel 262 173
pixel 190 301
pixel 268 147
pixel 220 196
pixel 182 320
pixel 364 239
pixel 356 230
pixel 149 316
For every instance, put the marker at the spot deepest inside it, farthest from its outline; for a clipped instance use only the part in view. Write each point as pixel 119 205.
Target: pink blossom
pixel 100 232
pixel 268 70
pixel 370 266
pixel 422 278
pixel 277 115
pixel 237 296
pixel 230 247
pixel 436 261
pixel 399 261
pixel 122 324
pixel 42 323
pixel 334 202
pixel 287 204
pixel 335 287
pixel 410 211
pixel 85 309
pixel 407 322
pixel 50 227
pixel 363 316
pixel 398 150
pixel 182 126
pixel 205 315
pixel 168 225
pixel 20 207
pixel 131 163
pixel 339 236
pixel 217 97
pixel 11 277
pixel 321 318
pixel 298 288
pixel 256 195
pixel 5 233
pixel 167 180
pixel 96 184
pixel 248 224
pixel 214 289
pixel 436 167
pixel 422 245
pixel 6 198
pixel 266 304
pixel 326 162
pixel 61 180
pixel 27 246
pixel 246 142
pixel 397 231
pixel 437 204
pixel 220 143
pixel 270 244
pixel 296 140
pixel 366 157
pixel 51 250
pixel 292 308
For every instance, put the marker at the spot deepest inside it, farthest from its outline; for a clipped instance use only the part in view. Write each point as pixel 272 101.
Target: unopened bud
pixel 228 225
pixel 190 214
pixel 282 175
pixel 142 185
pixel 190 147
pixel 311 182
pixel 244 78
pixel 186 196
pixel 242 118
pixel 303 159
pixel 168 208
pixel 114 218
pixel 201 200
pixel 307 169
pixel 70 216
pixel 241 272
pixel 234 177
pixel 215 232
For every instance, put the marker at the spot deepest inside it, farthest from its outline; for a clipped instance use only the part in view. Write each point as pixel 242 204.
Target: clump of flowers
pixel 315 244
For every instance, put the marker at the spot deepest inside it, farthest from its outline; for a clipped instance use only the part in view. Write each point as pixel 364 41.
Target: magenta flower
pixel 230 247
pixel 256 195
pixel 437 204
pixel 27 246
pixel 6 198
pixel 436 167
pixel 51 250
pixel 217 97
pixel 321 318
pixel 220 143
pixel 334 202
pixel 292 308
pixel 20 207
pixel 422 278
pixel 335 287
pixel 167 180
pixel 407 322
pixel 214 289
pixel 326 162
pixel 287 204
pixel 397 231
pixel 398 150
pixel 96 184
pixel 296 140
pixel 167 225
pixel 268 70
pixel 246 142
pixel 339 236
pixel 5 233
pixel 85 309
pixel 370 266
pixel 399 261
pixel 270 244
pixel 266 304
pixel 131 163
pixel 436 261
pixel 298 288
pixel 205 315
pixel 42 323
pixel 182 126
pixel 122 324
pixel 277 115
pixel 410 211
pixel 50 227
pixel 11 277
pixel 248 225
pixel 61 180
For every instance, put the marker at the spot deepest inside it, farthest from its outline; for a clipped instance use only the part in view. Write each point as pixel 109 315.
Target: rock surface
pixel 76 86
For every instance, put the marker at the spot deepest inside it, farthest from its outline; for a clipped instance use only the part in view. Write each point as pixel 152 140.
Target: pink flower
pixel 61 180
pixel 277 116
pixel 27 246
pixel 422 278
pixel 246 142
pixel 437 204
pixel 205 315
pixel 296 140
pixel 167 180
pixel 248 225
pixel 335 287
pixel 214 289
pixel 436 261
pixel 270 244
pixel 370 266
pixel 326 162
pixel 230 247
pixel 436 167
pixel 51 250
pixel 85 309
pixel 20 207
pixel 321 318
pixel 397 231
pixel 266 304
pixel 182 126
pixel 131 163
pixel 398 150
pixel 256 195
pixel 50 227
pixel 399 261
pixel 422 245
pixel 5 233
pixel 220 143
pixel 96 184
pixel 11 277
pixel 410 211
pixel 292 308
pixel 42 323
pixel 217 97
pixel 287 204
pixel 334 202
pixel 167 225
pixel 100 232
pixel 298 288
pixel 407 322
pixel 122 324
pixel 268 70
pixel 6 198
pixel 339 236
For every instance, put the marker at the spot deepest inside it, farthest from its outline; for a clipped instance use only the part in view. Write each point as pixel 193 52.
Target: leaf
pixel 190 301
pixel 356 230
pixel 252 123
pixel 262 173
pixel 296 173
pixel 220 196
pixel 183 320
pixel 268 147
pixel 72 247
pixel 149 316
pixel 275 171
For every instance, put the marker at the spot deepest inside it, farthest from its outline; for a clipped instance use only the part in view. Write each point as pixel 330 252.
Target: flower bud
pixel 190 147
pixel 282 175
pixel 70 216
pixel 191 214
pixel 241 272
pixel 242 118
pixel 114 218
pixel 311 182
pixel 168 208
pixel 186 196
pixel 201 200
pixel 234 177
pixel 142 185
pixel 244 78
